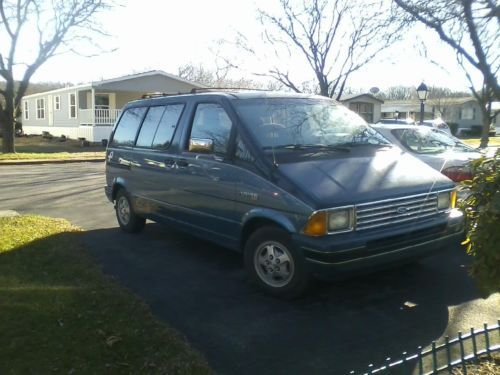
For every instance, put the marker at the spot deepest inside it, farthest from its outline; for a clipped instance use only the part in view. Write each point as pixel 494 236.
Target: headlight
pixel 340 220
pixel 321 223
pixel 447 200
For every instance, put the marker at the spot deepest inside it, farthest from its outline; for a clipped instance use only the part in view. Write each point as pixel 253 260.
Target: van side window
pixel 167 125
pixel 149 126
pixel 126 129
pixel 212 122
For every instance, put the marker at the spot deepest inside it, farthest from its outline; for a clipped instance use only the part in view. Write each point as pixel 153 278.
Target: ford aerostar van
pixel 299 184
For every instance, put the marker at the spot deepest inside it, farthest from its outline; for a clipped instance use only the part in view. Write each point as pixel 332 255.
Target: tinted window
pixel 168 123
pixel 149 126
pixel 126 130
pixel 212 122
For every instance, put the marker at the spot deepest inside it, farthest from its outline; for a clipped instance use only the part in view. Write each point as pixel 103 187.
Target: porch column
pixel 92 105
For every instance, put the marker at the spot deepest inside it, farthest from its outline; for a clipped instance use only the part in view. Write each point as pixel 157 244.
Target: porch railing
pixel 98 116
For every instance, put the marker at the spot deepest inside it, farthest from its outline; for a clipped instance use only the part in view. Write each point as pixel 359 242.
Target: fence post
pixel 405 363
pixel 387 367
pixel 462 354
pixel 434 358
pixel 420 363
pixel 487 339
pixel 370 368
pixel 448 354
pixel 474 344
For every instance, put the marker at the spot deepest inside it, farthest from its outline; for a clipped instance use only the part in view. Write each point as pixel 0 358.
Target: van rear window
pixel 126 129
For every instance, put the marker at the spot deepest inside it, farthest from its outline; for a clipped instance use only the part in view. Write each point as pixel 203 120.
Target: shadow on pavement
pixel 201 290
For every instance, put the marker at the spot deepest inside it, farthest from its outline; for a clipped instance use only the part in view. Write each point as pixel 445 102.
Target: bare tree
pixel 219 77
pixel 334 38
pixel 46 28
pixel 472 29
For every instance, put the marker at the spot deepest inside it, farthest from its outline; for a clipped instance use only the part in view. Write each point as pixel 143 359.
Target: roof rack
pixel 150 95
pixel 210 89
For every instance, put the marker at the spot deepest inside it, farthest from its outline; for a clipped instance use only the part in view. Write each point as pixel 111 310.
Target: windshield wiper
pixel 305 146
pixel 355 144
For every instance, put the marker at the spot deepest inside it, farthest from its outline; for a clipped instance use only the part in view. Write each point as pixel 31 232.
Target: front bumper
pixel 367 251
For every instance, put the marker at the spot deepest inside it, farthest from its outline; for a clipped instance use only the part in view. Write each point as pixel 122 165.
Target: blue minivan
pixel 299 184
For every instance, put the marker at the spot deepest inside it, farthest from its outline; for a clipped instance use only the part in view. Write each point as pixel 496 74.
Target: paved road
pixel 201 289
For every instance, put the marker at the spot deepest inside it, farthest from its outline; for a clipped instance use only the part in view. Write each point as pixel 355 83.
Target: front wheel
pixel 274 264
pixel 127 218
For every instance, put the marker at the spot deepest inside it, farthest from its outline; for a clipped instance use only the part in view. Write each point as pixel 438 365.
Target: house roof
pixel 142 75
pixel 131 82
pixel 350 97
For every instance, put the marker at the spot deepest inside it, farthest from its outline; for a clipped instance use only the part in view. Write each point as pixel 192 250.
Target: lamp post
pixel 422 92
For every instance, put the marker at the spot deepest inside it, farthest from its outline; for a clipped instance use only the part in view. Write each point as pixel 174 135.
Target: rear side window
pixel 167 125
pixel 149 126
pixel 126 129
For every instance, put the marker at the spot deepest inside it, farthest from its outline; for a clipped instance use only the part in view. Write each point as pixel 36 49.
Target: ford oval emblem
pixel 402 210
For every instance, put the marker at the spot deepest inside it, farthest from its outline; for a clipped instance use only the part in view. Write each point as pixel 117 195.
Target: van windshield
pixel 294 124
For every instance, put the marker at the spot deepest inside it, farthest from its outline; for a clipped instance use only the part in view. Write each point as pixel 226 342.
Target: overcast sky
pixel 163 35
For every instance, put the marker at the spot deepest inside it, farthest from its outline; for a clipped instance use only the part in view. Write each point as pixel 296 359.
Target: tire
pixel 274 264
pixel 128 220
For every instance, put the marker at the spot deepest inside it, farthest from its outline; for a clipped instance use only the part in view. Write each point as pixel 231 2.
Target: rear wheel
pixel 274 264
pixel 127 218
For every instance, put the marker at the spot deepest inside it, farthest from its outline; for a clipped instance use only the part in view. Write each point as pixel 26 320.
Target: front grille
pixel 395 211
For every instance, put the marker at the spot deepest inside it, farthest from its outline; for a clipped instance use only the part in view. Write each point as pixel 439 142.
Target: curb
pixel 49 161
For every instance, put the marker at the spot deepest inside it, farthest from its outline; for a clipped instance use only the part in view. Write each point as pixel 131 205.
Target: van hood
pixel 360 176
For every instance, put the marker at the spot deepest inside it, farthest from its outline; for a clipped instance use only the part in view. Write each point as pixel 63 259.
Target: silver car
pixel 434 147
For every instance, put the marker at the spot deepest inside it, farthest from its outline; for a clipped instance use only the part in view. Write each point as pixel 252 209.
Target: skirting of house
pixel 90 133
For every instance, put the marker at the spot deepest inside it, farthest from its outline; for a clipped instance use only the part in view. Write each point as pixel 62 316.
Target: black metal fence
pixel 451 354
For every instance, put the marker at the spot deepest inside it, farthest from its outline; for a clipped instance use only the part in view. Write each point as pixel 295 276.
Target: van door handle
pixel 182 163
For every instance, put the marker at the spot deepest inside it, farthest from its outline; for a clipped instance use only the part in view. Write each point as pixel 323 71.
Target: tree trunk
pixel 485 131
pixel 7 135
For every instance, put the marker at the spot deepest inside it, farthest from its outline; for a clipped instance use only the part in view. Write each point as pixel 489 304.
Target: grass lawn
pixel 59 314
pixel 36 147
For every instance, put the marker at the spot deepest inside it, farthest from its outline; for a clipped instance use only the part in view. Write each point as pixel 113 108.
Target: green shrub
pixel 482 208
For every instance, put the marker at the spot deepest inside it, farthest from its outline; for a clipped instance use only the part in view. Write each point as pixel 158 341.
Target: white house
pixel 90 110
pixel 366 105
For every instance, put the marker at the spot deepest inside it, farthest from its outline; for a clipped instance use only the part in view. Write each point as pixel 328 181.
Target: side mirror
pixel 201 145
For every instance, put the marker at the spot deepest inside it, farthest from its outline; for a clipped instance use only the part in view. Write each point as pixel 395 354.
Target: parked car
pixel 396 121
pixel 299 184
pixel 434 147
pixel 437 123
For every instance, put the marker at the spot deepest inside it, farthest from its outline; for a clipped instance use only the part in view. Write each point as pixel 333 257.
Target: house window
pixel 26 111
pixel 57 103
pixel 467 113
pixel 72 105
pixel 365 110
pixel 40 108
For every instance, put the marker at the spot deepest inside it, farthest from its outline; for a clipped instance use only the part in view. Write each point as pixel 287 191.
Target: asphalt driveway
pixel 201 289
